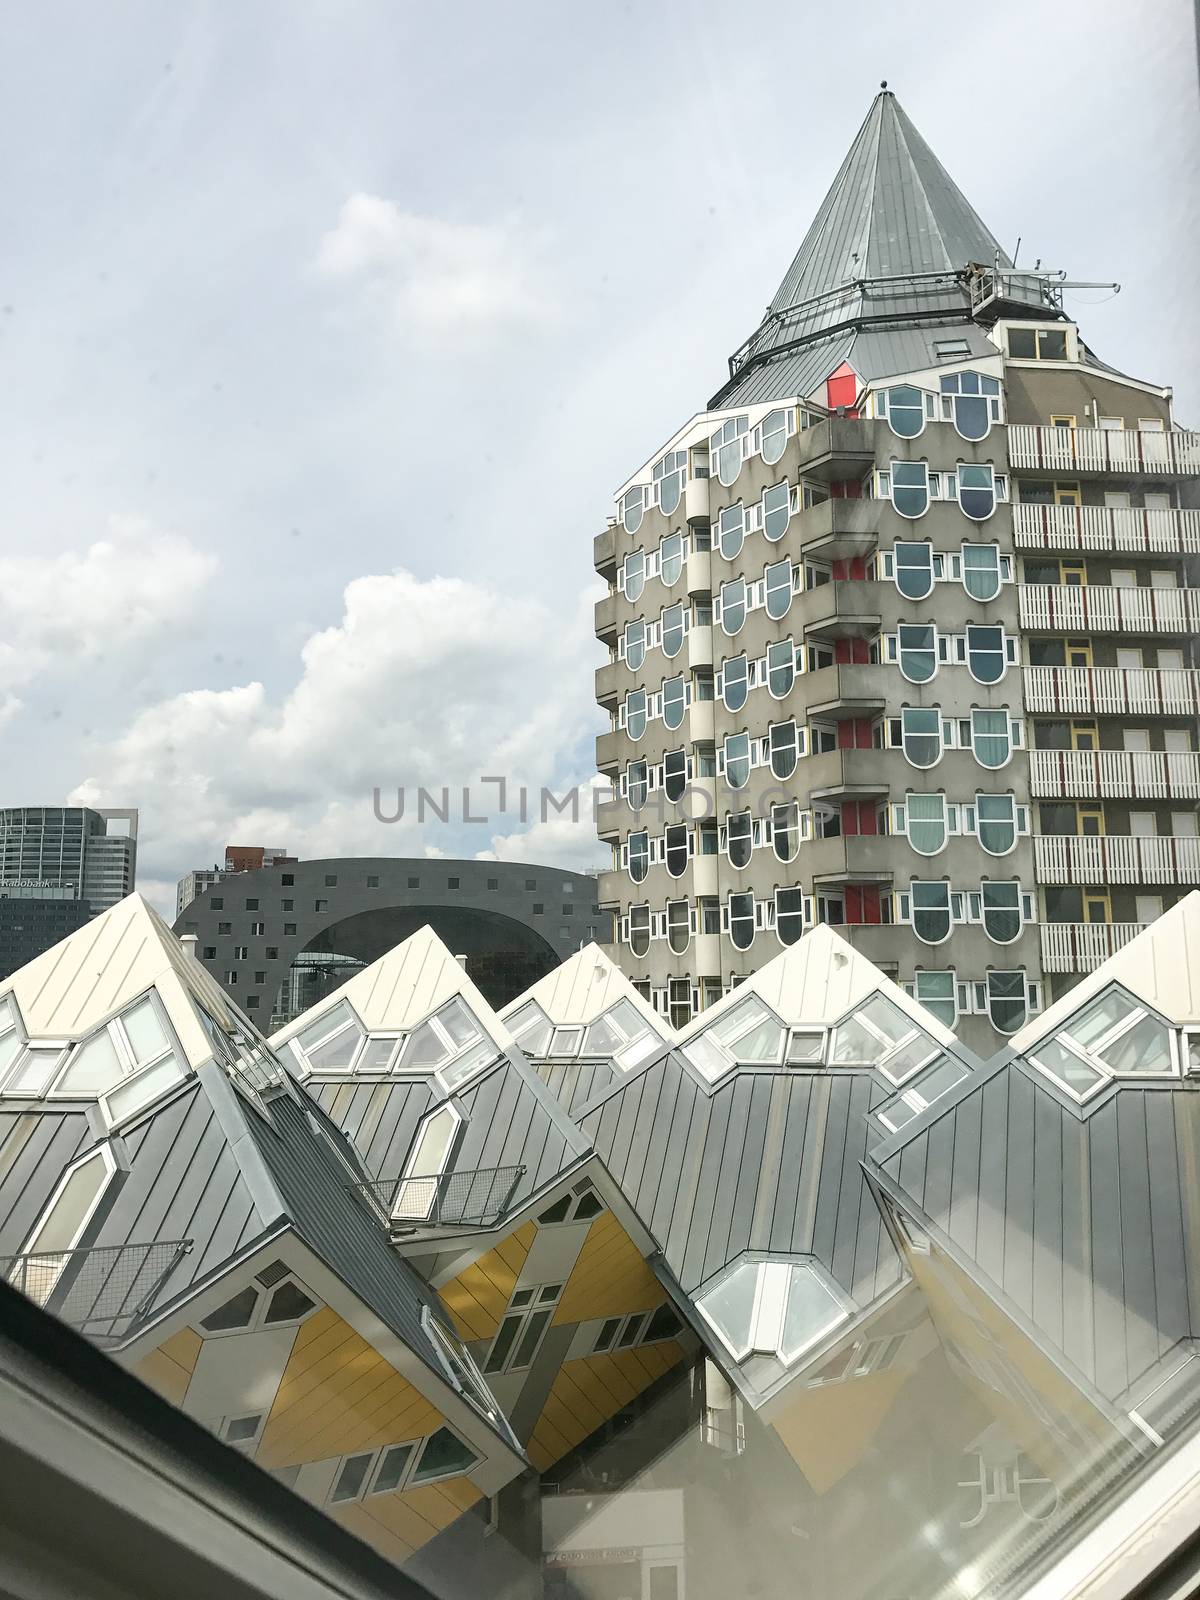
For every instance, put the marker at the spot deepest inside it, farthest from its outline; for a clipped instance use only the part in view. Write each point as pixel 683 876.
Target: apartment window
pixel 906 409
pixel 272 952
pixel 924 821
pixel 635 713
pixel 737 760
pixel 977 491
pixel 771 1308
pixel 732 606
pixel 372 881
pixel 1002 911
pixel 739 839
pixel 539 908
pixel 774 433
pixel 1037 344
pixel 972 402
pixel 986 653
pixel 930 911
pixel 633 574
pixel 521 1331
pixel 674 703
pixel 1008 1000
pixel 260 977
pixel 785 831
pixel 921 735
pixel 493 883
pixel 670 559
pixel 668 480
pixel 251 905
pixel 731 530
pixel 679 928
pixel 633 507
pixel 741 920
pixel 913 569
pixel 638 856
pixel 981 570
pixel 430 1156
pixel 287 905
pixel 217 903
pixel 452 883
pixel 287 880
pixel 639 929
pixel 937 992
pixel 789 915
pixel 289 930
pixel 726 447
pixel 224 927
pixel 996 822
pixel 257 930
pixel 910 488
pixel 735 682
pixel 675 849
pixel 634 644
pixel 777 511
pixel 917 650
pixel 230 979
pixel 251 1002
pixel 210 952
pixel 321 905
pixel 673 629
pixel 777 589
pixel 878 1034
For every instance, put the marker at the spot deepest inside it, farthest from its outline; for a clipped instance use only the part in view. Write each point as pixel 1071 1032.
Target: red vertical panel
pixel 841 389
pixel 845 735
pixel 841 651
pixel 858 567
pixel 870 906
pixel 840 571
pixel 849 818
pixel 853 899
pixel 867 817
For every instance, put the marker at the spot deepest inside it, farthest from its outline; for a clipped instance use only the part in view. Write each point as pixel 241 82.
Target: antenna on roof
pixel 1017 251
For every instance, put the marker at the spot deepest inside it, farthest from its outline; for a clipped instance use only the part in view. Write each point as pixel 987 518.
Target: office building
pixel 901 628
pixel 91 853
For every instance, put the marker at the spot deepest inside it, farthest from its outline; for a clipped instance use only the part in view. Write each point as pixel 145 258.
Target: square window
pixel 251 905
pixel 210 952
pixel 272 952
pixel 217 903
pixel 531 883
pixel 287 905
pixel 251 1002
pixel 568 911
pixel 452 883
pixel 321 905
pixel 538 908
pixel 288 880
pixel 493 883
pixel 224 927
pixel 414 883
pixel 331 880
pixel 289 929
pixel 260 977
pixel 372 881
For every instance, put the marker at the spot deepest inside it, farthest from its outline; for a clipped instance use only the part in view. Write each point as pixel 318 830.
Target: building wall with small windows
pixel 280 938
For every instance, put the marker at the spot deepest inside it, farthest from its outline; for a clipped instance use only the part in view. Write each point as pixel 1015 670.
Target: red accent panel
pixel 840 571
pixel 841 389
pixel 858 567
pixel 868 817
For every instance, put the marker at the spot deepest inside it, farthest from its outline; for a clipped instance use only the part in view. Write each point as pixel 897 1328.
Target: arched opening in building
pixel 504 956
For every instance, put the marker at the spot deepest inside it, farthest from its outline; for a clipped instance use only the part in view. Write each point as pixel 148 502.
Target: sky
pixel 328 330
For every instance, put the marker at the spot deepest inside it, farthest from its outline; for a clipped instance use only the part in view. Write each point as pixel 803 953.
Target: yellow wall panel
pixel 828 1429
pixel 478 1297
pixel 183 1347
pixel 371 1528
pixel 338 1395
pixel 609 1278
pixel 588 1391
pixel 164 1375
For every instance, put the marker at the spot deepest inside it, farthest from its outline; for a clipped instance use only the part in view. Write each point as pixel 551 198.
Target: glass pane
pixel 730 1305
pixel 235 1313
pixel 66 1217
pixel 1099 1018
pixel 444 1456
pixel 424 1047
pixel 145 1086
pixel 433 1143
pixel 811 1312
pixel 351 1478
pixel 392 1468
pixel 336 1054
pixel 504 1341
pixel 326 1024
pixel 288 1304
pixel 94 1068
pixel 1146 1047
pixel 1067 1068
pixel 762 1043
pixel 145 1031
pixel 529 1339
pixel 32 1071
pixel 376 1055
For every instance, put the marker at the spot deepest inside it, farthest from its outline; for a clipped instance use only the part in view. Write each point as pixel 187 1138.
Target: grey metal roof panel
pixel 576 1084
pixel 35 1148
pixel 380 1119
pixel 796 372
pixel 1056 1211
pixel 886 352
pixel 768 1160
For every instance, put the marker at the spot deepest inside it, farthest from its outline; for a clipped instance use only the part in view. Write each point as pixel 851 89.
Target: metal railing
pixel 1083 946
pixel 1115 774
pixel 1131 530
pixel 101 1292
pixel 1116 858
pixel 1113 691
pixel 1100 608
pixel 1130 452
pixel 477 1198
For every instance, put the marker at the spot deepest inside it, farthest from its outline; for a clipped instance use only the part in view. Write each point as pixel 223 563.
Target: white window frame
pixel 41 1291
pixel 401 1210
pixel 524 1314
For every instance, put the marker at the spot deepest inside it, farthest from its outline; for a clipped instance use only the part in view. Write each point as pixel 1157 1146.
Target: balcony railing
pixel 1113 691
pixel 1129 452
pixel 1130 530
pixel 1116 858
pixel 101 1292
pixel 1115 774
pixel 1096 608
pixel 476 1198
pixel 1083 946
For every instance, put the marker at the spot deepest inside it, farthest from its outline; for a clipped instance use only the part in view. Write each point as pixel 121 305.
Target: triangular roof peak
pixel 585 986
pixel 886 244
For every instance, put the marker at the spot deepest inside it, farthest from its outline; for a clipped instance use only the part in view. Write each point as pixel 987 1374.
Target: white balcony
pixel 1127 452
pixel 1115 774
pixel 1116 858
pixel 1124 530
pixel 1099 608
pixel 1113 691
pixel 1083 946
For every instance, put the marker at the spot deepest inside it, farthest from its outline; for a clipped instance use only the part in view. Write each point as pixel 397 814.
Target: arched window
pixel 981 570
pixel 1002 911
pixel 672 630
pixel 731 530
pixel 972 402
pixel 910 488
pixel 930 911
pixel 789 915
pixel 735 682
pixel 785 830
pixel 976 491
pixel 925 822
pixel 917 650
pixel 726 447
pixel 635 713
pixel 904 407
pixel 675 849
pixel 781 668
pixel 633 507
pixel 639 929
pixel 1007 1000
pixel 741 920
pixel 670 558
pixel 996 823
pixel 914 569
pixel 635 644
pixel 679 925
pixel 774 436
pixel 985 653
pixel 991 737
pixel 921 734
pixel 668 480
pixel 936 991
pixel 777 510
pixel 783 743
pixel 739 839
pixel 674 702
pixel 737 760
pixel 777 589
pixel 639 856
pixel 637 784
pixel 634 570
pixel 733 606
pixel 674 775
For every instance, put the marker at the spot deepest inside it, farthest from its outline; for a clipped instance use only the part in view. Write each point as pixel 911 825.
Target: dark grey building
pixel 280 938
pixel 34 917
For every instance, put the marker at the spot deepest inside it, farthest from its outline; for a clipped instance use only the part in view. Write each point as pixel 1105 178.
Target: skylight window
pixel 938 1080
pixel 1112 1036
pixel 531 1028
pixel 771 1308
pixel 61 1225
pixel 623 1033
pixel 747 1032
pixel 417 1191
pixel 124 1066
pixel 880 1035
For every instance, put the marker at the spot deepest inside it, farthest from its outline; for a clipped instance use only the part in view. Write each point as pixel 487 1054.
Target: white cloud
pixel 564 834
pixel 116 598
pixel 435 684
pixel 436 277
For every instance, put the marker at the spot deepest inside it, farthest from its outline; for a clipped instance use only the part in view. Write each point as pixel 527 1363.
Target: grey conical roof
pixel 892 213
pixel 893 208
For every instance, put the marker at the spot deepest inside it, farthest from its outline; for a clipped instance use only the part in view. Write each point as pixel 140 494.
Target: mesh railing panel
pixel 477 1197
pixel 101 1292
